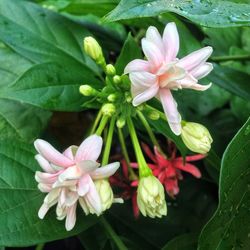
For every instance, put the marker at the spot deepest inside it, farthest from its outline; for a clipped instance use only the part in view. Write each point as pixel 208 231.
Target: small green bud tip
pixel 120 123
pixel 196 137
pixel 108 109
pixel 128 97
pixel 110 70
pixel 87 90
pixel 153 115
pixel 117 79
pixel 93 49
pixel 112 97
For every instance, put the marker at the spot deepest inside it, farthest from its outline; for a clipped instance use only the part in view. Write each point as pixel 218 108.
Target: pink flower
pixel 168 171
pixel 163 71
pixel 69 177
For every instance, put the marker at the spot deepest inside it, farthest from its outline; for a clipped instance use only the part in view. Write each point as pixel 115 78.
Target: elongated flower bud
pixel 151 197
pixel 108 109
pixel 87 90
pixel 110 70
pixel 93 49
pixel 196 137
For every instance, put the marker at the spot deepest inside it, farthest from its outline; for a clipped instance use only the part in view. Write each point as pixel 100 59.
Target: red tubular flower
pixel 169 171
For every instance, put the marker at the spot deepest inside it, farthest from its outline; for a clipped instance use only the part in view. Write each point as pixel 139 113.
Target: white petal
pixel 153 36
pixel 84 205
pixel 201 71
pixel 171 42
pixel 88 166
pixel 69 152
pixel 137 65
pixel 144 79
pixel 170 109
pixel 105 171
pixel 71 218
pixel 43 210
pixel 83 185
pixel 71 173
pixel 44 164
pixel 195 59
pixel 90 149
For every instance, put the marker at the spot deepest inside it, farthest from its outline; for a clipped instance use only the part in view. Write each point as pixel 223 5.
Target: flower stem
pixel 106 153
pixel 97 120
pixel 162 115
pixel 102 125
pixel 144 170
pixel 40 246
pixel 120 245
pixel 230 58
pixel 149 130
pixel 132 175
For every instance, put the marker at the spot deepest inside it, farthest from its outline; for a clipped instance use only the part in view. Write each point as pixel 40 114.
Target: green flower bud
pixel 196 137
pixel 117 79
pixel 128 97
pixel 110 70
pixel 87 90
pixel 120 123
pixel 93 49
pixel 151 197
pixel 153 115
pixel 108 109
pixel 112 97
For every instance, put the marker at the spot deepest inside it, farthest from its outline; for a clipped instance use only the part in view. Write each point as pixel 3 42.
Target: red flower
pixel 169 170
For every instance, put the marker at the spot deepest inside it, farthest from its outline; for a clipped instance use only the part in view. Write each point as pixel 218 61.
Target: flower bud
pixel 117 79
pixel 110 70
pixel 196 137
pixel 120 123
pixel 108 109
pixel 105 192
pixel 112 97
pixel 151 197
pixel 93 49
pixel 153 115
pixel 128 97
pixel 87 90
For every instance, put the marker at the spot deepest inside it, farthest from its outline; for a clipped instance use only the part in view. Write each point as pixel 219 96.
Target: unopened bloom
pixel 93 49
pixel 69 177
pixel 151 197
pixel 196 137
pixel 163 71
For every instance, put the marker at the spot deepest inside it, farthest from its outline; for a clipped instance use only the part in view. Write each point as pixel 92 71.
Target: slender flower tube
pixel 163 71
pixel 70 177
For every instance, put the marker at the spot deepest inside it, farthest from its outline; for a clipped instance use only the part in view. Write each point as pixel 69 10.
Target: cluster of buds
pixel 76 176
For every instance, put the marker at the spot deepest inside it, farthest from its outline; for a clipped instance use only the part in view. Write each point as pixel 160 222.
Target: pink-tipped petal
pixel 43 210
pixel 93 198
pixel 105 171
pixel 144 79
pixel 71 218
pixel 137 65
pixel 170 42
pixel 153 36
pixel 153 53
pixel 71 173
pixel 202 70
pixel 195 59
pixel 45 178
pixel 146 95
pixel 170 109
pixel 51 154
pixel 90 149
pixel 44 164
pixel 83 185
pixel 88 166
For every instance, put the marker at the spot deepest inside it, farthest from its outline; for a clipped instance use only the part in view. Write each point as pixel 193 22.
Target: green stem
pixel 120 245
pixel 106 153
pixel 132 175
pixel 230 58
pixel 150 132
pixel 40 246
pixel 97 120
pixel 144 170
pixel 102 125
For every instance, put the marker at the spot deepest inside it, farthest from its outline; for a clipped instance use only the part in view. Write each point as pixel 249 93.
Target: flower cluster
pixel 74 176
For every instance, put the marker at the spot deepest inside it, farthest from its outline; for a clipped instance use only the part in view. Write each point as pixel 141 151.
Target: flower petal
pixel 43 210
pixel 68 152
pixel 153 53
pixel 51 154
pixel 170 109
pixel 105 171
pixel 71 173
pixel 83 205
pixel 153 36
pixel 202 71
pixel 83 185
pixel 88 166
pixel 144 79
pixel 170 41
pixel 145 95
pixel 44 164
pixel 45 178
pixel 137 65
pixel 190 169
pixel 71 217
pixel 195 59
pixel 90 149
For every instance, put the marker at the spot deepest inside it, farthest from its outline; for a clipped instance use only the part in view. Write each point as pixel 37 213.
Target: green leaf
pixel 20 201
pixel 206 13
pixel 229 228
pixel 182 242
pixel 240 108
pixel 129 52
pixel 232 80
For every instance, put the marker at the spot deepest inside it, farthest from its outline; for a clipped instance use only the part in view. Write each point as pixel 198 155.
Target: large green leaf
pixel 20 201
pixel 229 227
pixel 53 42
pixel 213 13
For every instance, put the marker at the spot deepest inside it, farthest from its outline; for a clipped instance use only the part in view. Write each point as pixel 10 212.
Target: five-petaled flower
pixel 163 71
pixel 69 177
